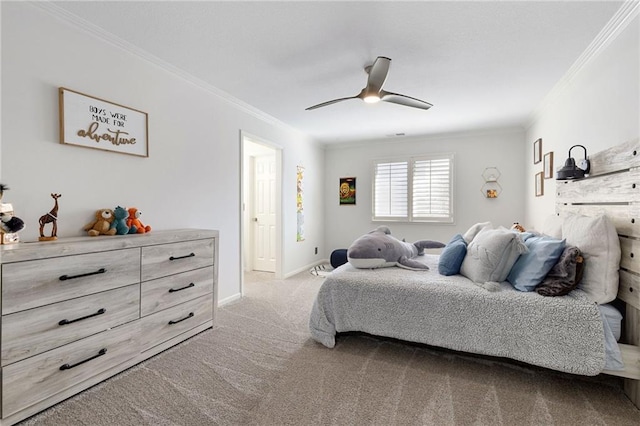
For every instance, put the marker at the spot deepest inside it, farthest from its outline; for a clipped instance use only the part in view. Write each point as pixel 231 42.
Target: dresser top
pixel 19 252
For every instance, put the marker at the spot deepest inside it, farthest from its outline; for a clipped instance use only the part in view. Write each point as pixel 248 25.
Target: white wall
pixel 598 107
pixel 191 178
pixel 474 152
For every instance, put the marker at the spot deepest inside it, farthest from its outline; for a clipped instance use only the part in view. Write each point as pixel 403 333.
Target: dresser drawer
pixel 31 332
pixel 34 283
pixel 168 259
pixel 29 381
pixel 164 325
pixel 172 290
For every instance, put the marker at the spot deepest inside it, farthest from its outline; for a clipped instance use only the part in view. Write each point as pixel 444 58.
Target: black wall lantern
pixel 570 170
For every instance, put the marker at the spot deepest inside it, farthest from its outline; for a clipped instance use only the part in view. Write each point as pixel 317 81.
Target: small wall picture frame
pixel 348 191
pixel 539 184
pixel 537 151
pixel 548 165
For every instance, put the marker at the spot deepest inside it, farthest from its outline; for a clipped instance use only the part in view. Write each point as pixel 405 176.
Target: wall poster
pixel 299 203
pixel 348 191
pixel 95 123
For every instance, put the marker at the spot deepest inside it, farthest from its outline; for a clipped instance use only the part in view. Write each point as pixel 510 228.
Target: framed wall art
pixel 548 165
pixel 348 191
pixel 299 203
pixel 537 151
pixel 95 123
pixel 539 184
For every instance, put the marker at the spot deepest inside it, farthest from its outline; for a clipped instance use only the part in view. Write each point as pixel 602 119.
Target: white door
pixel 265 214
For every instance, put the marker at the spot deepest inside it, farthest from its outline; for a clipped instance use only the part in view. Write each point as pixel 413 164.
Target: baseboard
pixel 305 268
pixel 230 299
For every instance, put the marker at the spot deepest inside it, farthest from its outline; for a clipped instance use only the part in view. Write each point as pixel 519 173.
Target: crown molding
pixel 616 25
pixel 103 35
pixel 428 138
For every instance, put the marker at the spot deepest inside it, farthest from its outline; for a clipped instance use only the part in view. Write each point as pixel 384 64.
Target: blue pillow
pixel 531 267
pixel 452 256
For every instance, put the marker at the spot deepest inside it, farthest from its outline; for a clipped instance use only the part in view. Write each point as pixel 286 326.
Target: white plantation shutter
pixel 418 189
pixel 432 189
pixel 391 190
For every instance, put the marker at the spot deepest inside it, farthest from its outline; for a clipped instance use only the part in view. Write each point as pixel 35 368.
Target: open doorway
pixel 261 224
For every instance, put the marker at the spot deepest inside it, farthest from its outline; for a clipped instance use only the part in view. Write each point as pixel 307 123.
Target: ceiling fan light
pixel 372 99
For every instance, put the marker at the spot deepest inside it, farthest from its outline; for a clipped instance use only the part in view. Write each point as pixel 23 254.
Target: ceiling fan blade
pixel 404 100
pixel 331 102
pixel 377 75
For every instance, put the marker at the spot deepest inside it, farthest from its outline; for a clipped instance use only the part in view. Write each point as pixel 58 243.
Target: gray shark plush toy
pixel 378 249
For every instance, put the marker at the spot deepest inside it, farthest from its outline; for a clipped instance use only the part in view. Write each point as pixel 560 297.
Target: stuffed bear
pixel 102 224
pixel 119 223
pixel 134 222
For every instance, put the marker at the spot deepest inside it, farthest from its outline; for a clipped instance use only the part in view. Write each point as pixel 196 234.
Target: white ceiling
pixel 483 64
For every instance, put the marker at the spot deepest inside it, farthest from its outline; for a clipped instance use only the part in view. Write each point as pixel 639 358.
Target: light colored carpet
pixel 258 366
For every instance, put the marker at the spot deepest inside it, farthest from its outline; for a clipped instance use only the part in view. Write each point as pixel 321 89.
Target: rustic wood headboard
pixel 613 188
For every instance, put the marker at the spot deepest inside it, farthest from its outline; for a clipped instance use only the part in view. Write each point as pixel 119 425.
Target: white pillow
pixel 597 239
pixel 473 231
pixel 491 255
pixel 553 226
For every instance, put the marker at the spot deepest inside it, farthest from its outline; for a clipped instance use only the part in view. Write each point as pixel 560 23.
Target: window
pixel 417 189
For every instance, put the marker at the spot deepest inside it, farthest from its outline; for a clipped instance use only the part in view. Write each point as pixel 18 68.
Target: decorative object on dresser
pixel 10 225
pixel 119 223
pixel 101 224
pixel 94 307
pixel 134 223
pixel 52 218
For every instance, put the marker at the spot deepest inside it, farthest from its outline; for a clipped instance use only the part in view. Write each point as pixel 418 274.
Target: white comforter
pixel 560 333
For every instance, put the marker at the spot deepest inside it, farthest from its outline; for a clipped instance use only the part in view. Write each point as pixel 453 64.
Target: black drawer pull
pixel 70 277
pixel 66 321
pixel 69 366
pixel 182 257
pixel 171 290
pixel 182 319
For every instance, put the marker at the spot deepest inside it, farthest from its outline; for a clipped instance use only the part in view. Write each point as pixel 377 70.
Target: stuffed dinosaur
pixel 378 249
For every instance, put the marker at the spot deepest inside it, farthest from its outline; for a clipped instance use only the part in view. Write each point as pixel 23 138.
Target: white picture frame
pixel 91 122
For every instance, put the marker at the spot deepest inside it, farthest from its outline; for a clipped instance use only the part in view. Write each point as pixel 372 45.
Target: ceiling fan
pixel 374 92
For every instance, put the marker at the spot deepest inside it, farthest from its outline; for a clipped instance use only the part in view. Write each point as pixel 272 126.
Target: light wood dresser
pixel 78 310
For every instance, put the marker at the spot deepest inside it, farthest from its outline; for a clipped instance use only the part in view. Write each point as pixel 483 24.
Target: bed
pixel 569 333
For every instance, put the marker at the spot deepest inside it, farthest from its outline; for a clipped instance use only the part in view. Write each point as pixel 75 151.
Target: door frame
pixel 246 138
